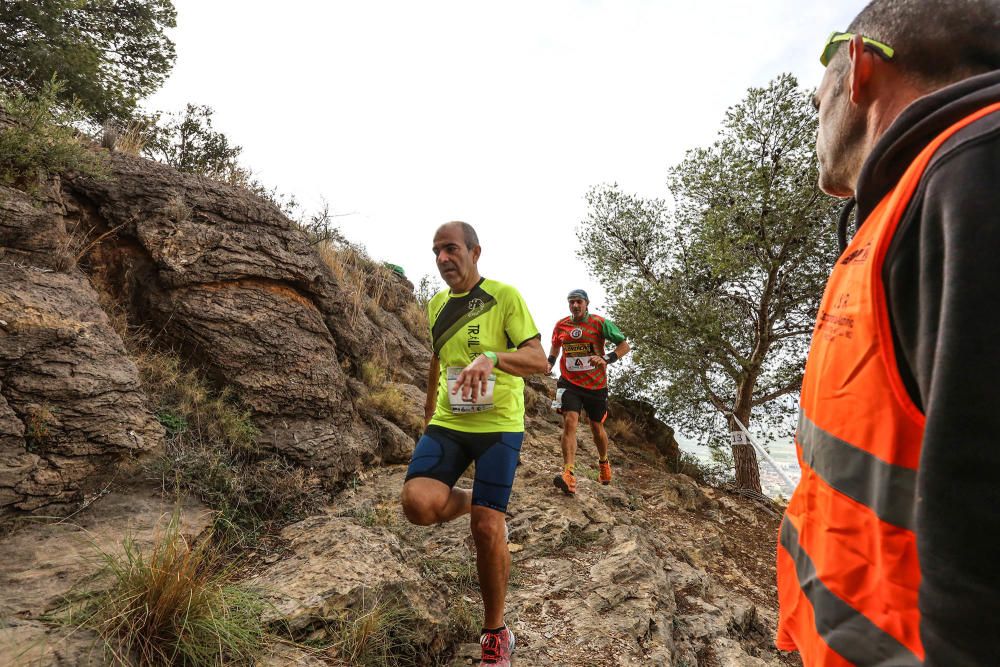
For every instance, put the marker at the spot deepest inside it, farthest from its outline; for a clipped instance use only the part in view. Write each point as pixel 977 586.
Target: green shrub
pixel 707 474
pixel 42 141
pixel 212 451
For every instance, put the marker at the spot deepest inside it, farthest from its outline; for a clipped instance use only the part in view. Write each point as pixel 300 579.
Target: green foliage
pixel 173 604
pixel 42 142
pixel 706 474
pixel 426 289
pixel 187 142
pixel 174 424
pixel 109 53
pixel 212 451
pixel 719 291
pixel 321 229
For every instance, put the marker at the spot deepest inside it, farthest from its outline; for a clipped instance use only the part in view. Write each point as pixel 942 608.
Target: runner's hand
pixel 474 378
pixel 598 361
pixel 548 368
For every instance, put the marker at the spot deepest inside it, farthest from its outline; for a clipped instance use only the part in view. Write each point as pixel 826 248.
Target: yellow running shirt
pixel 491 317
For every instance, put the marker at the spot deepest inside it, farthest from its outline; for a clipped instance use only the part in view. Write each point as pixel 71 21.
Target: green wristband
pixel 492 356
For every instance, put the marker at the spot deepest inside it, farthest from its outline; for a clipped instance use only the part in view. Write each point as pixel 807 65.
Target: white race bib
pixel 557 404
pixel 578 364
pixel 459 406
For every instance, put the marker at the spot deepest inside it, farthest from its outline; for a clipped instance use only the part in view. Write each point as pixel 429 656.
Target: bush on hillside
pixel 42 140
pixel 212 450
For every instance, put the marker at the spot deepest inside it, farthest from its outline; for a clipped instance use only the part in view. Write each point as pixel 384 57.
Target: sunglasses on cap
pixel 836 38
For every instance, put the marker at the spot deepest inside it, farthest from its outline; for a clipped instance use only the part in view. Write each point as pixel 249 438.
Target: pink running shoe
pixel 498 647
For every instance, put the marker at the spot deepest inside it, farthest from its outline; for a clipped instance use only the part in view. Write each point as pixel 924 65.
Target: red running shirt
pixel 580 340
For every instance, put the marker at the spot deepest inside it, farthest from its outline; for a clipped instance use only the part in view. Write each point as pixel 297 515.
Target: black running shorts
pixel 577 399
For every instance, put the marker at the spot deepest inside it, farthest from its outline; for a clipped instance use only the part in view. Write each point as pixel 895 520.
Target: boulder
pixel 71 406
pixel 335 567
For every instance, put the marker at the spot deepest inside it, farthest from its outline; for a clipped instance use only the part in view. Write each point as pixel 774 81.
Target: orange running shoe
pixel 567 482
pixel 605 468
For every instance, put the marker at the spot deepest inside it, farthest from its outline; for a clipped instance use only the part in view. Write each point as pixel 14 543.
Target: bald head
pixel 936 43
pixel 467 231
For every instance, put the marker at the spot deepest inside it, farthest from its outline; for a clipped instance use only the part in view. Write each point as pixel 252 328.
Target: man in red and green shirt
pixel 583 381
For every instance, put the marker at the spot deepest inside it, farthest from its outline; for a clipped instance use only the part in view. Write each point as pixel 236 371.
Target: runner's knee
pixel 488 527
pixel 419 508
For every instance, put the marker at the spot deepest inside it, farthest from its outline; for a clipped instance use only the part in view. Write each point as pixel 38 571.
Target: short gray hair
pixel 468 233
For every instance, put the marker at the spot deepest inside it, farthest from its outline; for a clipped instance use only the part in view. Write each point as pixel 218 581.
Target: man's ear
pixel 860 74
pixel 476 252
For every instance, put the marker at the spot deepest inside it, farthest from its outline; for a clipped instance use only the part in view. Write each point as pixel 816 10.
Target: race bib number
pixel 459 406
pixel 557 403
pixel 579 364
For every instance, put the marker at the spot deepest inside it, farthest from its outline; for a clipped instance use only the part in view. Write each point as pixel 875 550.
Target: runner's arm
pixel 554 350
pixel 430 405
pixel 527 360
pixel 621 349
pixel 945 309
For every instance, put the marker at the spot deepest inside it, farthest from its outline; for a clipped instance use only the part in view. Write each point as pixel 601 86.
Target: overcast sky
pixel 409 114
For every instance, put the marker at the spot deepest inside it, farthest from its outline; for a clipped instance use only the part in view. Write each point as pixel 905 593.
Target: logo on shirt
pixel 476 305
pixel 576 333
pixel 859 256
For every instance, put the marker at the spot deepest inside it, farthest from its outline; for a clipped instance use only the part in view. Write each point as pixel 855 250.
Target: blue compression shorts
pixel 444 454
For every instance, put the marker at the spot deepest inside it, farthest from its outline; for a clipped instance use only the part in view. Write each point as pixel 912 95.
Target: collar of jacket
pixel 918 124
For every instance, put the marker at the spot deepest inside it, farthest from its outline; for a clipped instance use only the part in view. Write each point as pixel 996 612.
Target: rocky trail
pixel 650 570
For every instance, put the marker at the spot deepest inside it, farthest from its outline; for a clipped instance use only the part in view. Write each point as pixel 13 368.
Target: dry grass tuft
pixel 384 632
pixel 415 320
pixel 623 429
pixel 364 281
pixel 173 605
pixel 390 403
pixel 134 138
pixel 386 400
pixel 38 426
pixel 386 515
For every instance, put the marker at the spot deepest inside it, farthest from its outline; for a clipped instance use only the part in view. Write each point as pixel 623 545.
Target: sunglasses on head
pixel 836 38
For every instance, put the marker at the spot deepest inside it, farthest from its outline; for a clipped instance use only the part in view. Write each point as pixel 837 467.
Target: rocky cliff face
pixel 207 270
pixel 70 402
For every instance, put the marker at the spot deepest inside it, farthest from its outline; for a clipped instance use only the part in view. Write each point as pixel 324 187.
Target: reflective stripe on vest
pixel 848 574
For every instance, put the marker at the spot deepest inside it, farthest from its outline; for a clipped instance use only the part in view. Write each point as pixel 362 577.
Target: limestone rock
pixel 682 491
pixel 645 429
pixel 225 278
pixel 44 560
pixel 334 566
pixel 26 643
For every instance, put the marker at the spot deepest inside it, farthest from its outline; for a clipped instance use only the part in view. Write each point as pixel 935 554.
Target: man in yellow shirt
pixel 485 341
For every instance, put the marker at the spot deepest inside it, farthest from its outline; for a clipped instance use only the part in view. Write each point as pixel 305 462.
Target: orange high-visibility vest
pixel 848 573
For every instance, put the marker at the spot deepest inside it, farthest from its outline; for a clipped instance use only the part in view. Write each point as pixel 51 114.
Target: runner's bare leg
pixel 570 420
pixel 492 561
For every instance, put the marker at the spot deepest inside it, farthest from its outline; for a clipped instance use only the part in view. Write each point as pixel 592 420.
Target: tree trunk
pixel 745 456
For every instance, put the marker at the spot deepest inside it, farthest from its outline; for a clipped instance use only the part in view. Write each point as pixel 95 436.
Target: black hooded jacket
pixel 942 282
